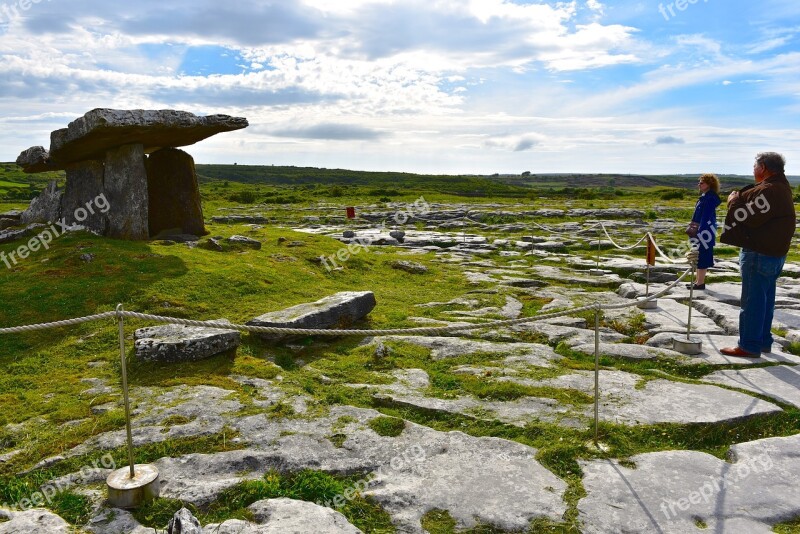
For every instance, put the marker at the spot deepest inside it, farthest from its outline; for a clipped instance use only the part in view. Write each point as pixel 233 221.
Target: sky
pixel 425 86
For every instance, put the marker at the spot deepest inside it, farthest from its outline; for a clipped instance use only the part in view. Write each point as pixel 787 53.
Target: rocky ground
pixel 492 481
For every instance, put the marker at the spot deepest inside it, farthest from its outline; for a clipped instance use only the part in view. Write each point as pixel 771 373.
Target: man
pixel 761 220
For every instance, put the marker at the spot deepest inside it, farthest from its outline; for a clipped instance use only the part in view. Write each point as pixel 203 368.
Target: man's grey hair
pixel 773 162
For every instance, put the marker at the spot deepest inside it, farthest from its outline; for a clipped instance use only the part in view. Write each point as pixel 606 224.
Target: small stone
pixel 183 522
pixel 211 244
pixel 409 267
pixel 88 258
pixel 296 244
pixel 348 234
pixel 282 240
pixel 244 241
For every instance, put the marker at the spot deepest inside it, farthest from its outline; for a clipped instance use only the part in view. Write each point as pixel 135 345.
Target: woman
pixel 704 222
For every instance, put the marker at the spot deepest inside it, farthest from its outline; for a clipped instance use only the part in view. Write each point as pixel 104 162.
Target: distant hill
pixel 278 175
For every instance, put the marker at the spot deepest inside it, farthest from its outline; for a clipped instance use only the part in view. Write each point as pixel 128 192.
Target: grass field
pixel 42 386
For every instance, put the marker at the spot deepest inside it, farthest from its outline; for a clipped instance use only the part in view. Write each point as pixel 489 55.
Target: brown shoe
pixel 739 352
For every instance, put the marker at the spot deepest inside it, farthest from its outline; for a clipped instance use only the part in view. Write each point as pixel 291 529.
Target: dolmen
pixel 130 160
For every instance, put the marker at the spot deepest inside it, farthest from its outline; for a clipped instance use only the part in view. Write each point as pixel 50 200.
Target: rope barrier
pixel 332 332
pixel 605 231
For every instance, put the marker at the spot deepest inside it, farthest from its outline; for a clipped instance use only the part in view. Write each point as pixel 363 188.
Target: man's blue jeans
pixel 759 274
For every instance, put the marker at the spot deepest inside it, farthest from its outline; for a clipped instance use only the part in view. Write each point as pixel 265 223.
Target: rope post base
pixel 645 304
pixel 126 492
pixel 687 345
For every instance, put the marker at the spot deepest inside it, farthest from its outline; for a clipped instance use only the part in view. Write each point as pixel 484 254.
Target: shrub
pixel 674 194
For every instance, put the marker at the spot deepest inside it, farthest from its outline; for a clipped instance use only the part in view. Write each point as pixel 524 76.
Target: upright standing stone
pixel 46 208
pixel 126 191
pixel 84 198
pixel 173 192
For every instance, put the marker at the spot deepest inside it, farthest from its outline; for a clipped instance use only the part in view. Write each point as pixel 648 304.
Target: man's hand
pixel 732 197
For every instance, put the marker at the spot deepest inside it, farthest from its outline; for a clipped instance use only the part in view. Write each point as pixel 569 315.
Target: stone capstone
pixel 339 310
pixel 35 159
pixel 99 130
pixel 173 193
pixel 178 343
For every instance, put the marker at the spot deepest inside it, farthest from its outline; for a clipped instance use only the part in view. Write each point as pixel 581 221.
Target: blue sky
pixel 444 86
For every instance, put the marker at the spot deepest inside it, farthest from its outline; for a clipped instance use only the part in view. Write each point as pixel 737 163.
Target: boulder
pixel 173 193
pixel 82 203
pixel 46 208
pixel 99 130
pixel 35 159
pixel 178 343
pixel 126 191
pixel 336 311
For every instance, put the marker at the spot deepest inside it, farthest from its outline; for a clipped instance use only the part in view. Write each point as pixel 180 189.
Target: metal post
pixel 647 283
pixel 597 258
pixel 596 375
pixel 125 388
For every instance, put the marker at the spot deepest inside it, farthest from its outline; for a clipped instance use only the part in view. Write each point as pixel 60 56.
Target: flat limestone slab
pixel 453 347
pixel 273 516
pixel 338 310
pixel 781 382
pixel 711 345
pixel 35 521
pixel 669 491
pixel 660 401
pixel 630 351
pixel 671 316
pixel 725 315
pixel 408 475
pixel 89 137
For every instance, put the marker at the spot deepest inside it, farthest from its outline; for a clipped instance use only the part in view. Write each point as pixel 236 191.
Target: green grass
pixel 306 485
pixel 41 384
pixel 387 426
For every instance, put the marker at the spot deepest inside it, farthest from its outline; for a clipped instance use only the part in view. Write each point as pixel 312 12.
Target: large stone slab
pixel 627 399
pixel 339 310
pixel 629 351
pixel 711 345
pixel 173 193
pixel 178 343
pixel 673 491
pixel 453 347
pixel 99 130
pixel 672 316
pixel 725 315
pixel 781 382
pixel 35 521
pixel 285 516
pixel 126 191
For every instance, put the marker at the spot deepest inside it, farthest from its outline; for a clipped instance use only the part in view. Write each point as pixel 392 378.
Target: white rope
pixel 557 232
pixel 57 324
pixel 605 231
pixel 326 332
